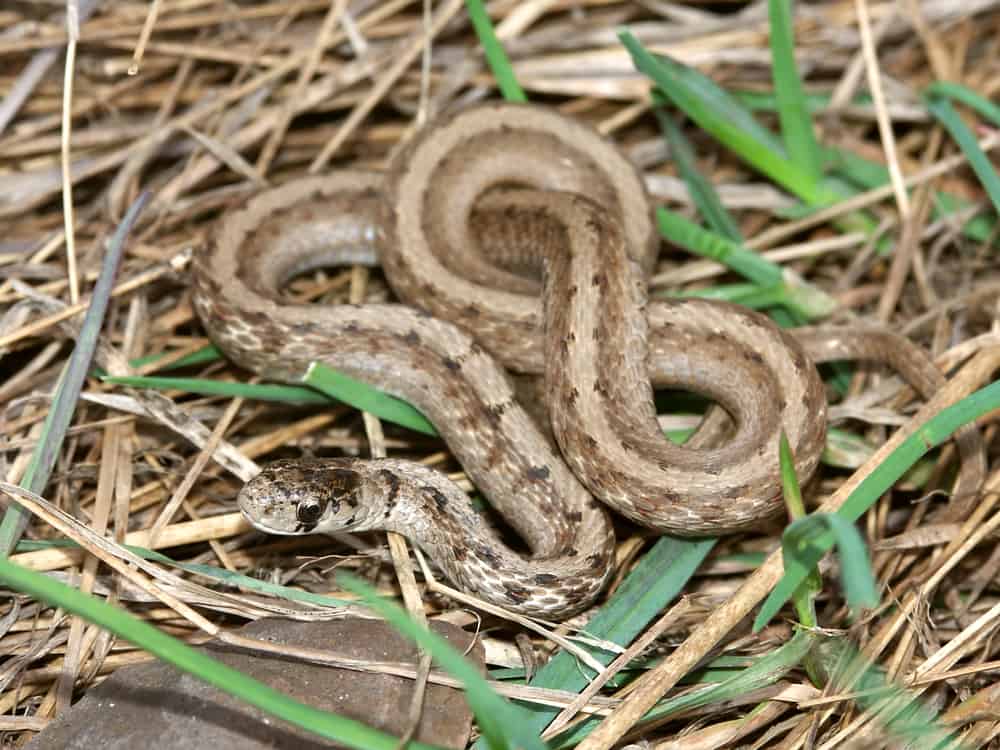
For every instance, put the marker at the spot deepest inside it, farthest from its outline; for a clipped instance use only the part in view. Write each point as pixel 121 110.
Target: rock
pixel 155 705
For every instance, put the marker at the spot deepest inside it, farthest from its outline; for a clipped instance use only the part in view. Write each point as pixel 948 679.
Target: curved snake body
pixel 472 203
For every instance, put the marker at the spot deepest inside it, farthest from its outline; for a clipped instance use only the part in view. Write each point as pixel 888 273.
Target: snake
pixel 518 240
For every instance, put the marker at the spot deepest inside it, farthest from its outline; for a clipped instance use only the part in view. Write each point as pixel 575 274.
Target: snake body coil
pixel 472 204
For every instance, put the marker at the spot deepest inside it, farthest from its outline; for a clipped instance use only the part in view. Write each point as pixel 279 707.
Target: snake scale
pixel 467 218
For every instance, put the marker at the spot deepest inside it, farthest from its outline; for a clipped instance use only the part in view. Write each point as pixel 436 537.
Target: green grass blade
pixel 15 519
pixel 695 239
pixel 496 57
pixel 793 113
pixel 959 131
pixel 800 297
pixel 932 434
pixel 765 671
pixel 221 575
pixel 208 353
pixel 726 120
pixel 804 596
pixel 855 568
pixel 500 722
pixel 321 384
pixel 290 394
pixel 908 719
pixel 187 659
pixel 789 481
pixel 983 106
pixel 362 396
pixel 767 101
pixel 754 296
pixel 702 191
pixel 870 175
pixel 230 578
pixel 657 579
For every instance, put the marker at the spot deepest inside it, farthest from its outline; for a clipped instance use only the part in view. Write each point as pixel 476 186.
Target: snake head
pixel 301 496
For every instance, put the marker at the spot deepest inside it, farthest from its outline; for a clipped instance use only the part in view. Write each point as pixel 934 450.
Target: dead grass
pixel 229 98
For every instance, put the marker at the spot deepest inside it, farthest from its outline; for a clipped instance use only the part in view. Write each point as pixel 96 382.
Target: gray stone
pixel 154 705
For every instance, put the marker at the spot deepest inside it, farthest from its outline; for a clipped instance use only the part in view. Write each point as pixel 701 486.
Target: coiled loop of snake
pixel 476 200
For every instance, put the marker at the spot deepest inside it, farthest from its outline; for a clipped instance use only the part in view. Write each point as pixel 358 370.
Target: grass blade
pixel 208 353
pixel 290 394
pixel 656 580
pixel 793 113
pixel 713 110
pixel 362 396
pixel 496 56
pixel 765 671
pixel 932 434
pixel 797 550
pixel 802 298
pixel 702 191
pixel 501 723
pixel 983 106
pixel 321 385
pixel 870 175
pixel 959 131
pixel 182 656
pixel 60 414
pixel 708 244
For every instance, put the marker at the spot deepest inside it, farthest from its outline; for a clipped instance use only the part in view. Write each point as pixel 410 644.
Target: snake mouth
pixel 261 524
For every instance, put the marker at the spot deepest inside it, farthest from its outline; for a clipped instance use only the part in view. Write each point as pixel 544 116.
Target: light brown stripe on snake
pixel 588 215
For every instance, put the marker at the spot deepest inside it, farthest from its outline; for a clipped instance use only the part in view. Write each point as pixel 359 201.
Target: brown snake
pixel 456 228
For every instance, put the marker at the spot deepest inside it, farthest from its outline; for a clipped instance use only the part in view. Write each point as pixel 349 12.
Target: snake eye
pixel 309 511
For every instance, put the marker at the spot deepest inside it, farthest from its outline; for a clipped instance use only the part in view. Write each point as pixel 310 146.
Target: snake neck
pixel 423 505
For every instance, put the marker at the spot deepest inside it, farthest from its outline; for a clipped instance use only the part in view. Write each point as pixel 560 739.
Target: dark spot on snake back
pixel 487 555
pixel 496 411
pixel 256 318
pixel 538 472
pixel 735 492
pixel 516 592
pixel 628 445
pixel 452 364
pixel 436 496
pixel 393 483
pixel 545 579
pixel 344 486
